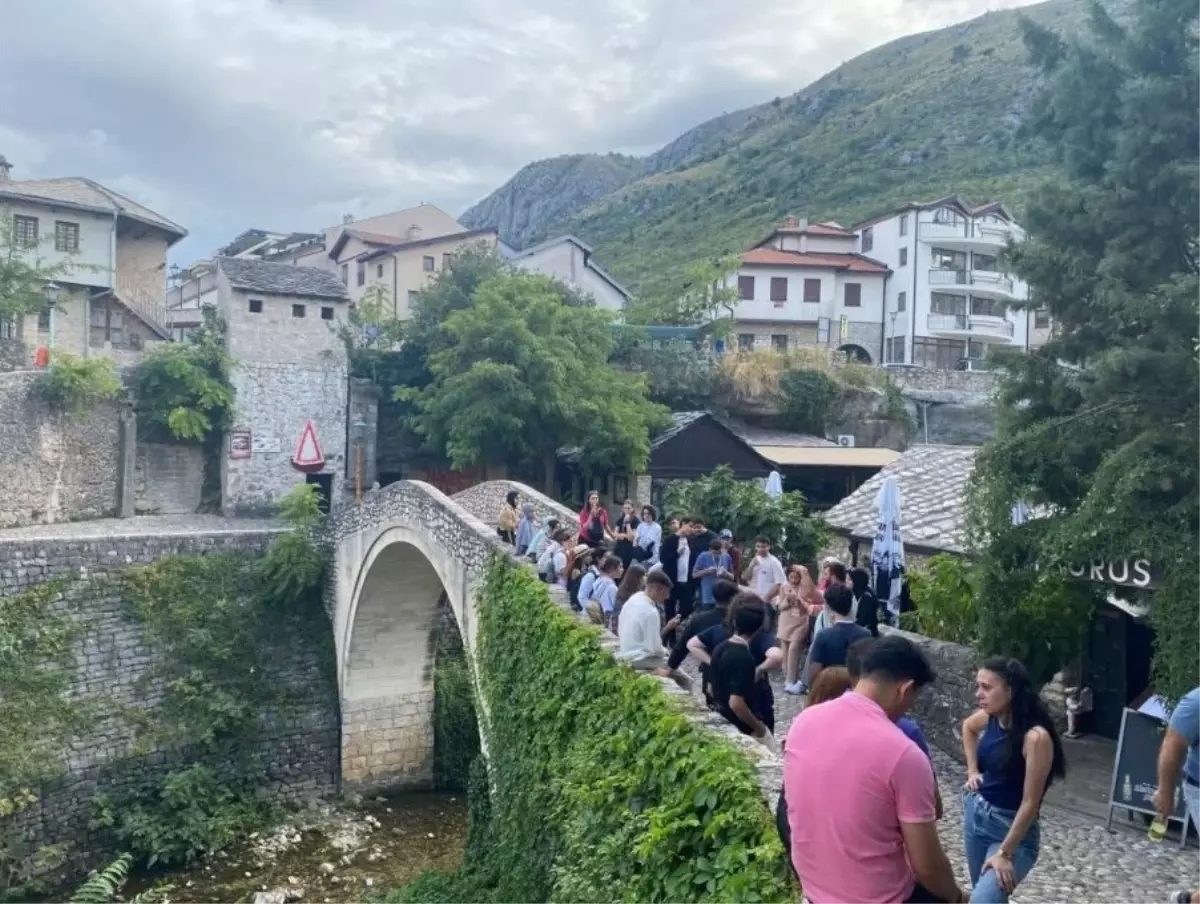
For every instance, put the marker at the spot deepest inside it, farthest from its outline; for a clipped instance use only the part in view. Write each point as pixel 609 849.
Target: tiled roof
pixel 418 243
pixel 760 436
pixel 827 228
pixel 933 493
pixel 87 195
pixel 680 421
pixel 271 278
pixel 770 257
pixel 373 238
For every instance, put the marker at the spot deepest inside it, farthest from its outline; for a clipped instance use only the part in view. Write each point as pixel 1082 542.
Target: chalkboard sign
pixel 1135 771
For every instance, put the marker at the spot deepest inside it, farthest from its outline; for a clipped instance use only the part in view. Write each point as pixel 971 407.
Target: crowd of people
pixel 860 804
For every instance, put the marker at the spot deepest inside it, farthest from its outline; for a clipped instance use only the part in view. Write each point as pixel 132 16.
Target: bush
pixel 944 594
pixel 808 399
pixel 602 789
pixel 73 384
pixel 455 729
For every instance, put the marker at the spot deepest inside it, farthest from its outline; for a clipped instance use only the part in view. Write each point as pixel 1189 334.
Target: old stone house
pixel 109 254
pixel 291 380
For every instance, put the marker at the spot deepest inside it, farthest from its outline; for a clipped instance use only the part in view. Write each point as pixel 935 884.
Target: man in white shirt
pixel 765 572
pixel 640 628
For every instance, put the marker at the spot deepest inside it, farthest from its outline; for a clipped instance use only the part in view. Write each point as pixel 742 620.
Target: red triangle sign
pixel 308 455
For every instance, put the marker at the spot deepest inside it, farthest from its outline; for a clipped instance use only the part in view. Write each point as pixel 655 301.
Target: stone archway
pixel 386 646
pixel 855 353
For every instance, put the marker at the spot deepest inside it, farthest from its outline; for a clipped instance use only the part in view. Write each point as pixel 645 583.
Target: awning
pixel 827 456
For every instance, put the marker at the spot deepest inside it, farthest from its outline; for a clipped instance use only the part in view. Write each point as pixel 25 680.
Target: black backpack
pixel 595 531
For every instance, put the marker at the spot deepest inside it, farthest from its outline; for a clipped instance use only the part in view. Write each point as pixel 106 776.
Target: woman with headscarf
pixel 526 528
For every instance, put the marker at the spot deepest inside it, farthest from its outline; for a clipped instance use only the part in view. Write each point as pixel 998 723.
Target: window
pixel 947 215
pixel 427 264
pixel 345 274
pixel 105 325
pixel 360 276
pixel 746 288
pixel 904 224
pixel 255 305
pixel 949 260
pixel 779 342
pixel 812 291
pixel 902 301
pixel 987 262
pixel 745 342
pixel 986 307
pixel 8 328
pixel 379 271
pixel 297 310
pixel 412 298
pixel 326 313
pixel 778 289
pixel 895 349
pixel 44 320
pixel 903 257
pixel 939 354
pixel 66 236
pixel 945 303
pixel 1041 319
pixel 447 257
pixel 25 231
pixel 868 239
pixel 853 295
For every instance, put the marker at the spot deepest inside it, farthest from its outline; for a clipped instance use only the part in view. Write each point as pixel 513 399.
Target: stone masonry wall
pixel 168 478
pixel 58 467
pixel 299 745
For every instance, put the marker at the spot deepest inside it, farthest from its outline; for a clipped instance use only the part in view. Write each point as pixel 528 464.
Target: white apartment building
pixel 806 284
pixel 947 302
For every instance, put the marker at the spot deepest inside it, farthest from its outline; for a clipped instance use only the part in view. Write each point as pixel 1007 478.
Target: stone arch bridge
pixel 396 558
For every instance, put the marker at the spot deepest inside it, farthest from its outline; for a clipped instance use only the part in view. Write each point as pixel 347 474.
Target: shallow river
pixel 333 853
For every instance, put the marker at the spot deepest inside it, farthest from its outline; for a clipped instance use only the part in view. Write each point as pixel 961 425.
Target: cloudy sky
pixel 285 114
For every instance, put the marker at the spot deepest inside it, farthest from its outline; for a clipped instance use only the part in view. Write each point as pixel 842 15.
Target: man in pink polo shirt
pixel 860 794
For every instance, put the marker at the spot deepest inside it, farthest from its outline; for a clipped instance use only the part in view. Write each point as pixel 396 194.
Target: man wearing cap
pixel 734 553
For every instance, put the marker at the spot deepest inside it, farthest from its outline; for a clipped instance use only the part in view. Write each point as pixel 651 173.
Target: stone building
pixel 109 257
pixel 290 372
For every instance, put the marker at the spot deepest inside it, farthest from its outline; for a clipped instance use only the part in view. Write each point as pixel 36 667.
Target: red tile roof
pixel 770 257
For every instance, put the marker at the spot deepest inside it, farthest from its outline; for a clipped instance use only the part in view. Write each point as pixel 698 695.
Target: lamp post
pixel 359 433
pixel 52 291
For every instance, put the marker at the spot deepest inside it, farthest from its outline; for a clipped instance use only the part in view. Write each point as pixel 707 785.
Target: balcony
pixel 964 236
pixel 966 326
pixel 978 282
pixel 777 312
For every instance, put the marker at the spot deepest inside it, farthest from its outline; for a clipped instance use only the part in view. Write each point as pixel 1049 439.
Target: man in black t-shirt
pixel 831 645
pixel 701 621
pixel 734 671
pixel 764 649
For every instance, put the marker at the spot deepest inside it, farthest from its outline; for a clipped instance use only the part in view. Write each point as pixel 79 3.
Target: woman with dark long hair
pixel 633 582
pixel 506 523
pixel 593 522
pixel 1013 753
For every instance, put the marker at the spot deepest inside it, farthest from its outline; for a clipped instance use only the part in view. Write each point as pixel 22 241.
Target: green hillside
pixel 922 117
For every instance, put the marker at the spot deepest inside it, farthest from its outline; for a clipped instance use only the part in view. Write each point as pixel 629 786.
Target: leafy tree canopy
pixel 23 275
pixel 708 294
pixel 1099 429
pixel 518 366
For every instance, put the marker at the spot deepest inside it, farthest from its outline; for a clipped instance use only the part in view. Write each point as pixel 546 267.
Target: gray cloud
pixel 225 114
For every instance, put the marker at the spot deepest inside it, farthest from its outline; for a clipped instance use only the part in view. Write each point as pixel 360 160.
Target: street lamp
pixel 358 431
pixel 52 292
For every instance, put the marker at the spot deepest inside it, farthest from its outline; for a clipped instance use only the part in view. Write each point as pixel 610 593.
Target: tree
pixel 744 508
pixel 708 295
pixel 519 372
pixel 370 334
pixel 1100 429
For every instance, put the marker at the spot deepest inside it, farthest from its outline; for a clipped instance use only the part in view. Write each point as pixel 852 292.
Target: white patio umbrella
pixel 774 485
pixel 1020 513
pixel 887 549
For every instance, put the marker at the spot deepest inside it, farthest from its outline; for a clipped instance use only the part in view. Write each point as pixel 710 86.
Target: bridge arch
pixel 395 558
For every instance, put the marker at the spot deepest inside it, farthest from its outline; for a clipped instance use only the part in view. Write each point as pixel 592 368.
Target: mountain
pixel 922 117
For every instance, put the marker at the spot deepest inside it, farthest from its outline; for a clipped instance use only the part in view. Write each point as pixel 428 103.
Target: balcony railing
pixel 965 323
pixel 982 279
pixel 960 232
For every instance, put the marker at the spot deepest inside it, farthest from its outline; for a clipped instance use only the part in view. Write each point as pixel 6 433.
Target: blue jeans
pixel 984 830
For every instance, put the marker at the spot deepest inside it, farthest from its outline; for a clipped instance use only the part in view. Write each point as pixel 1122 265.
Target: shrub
pixel 73 384
pixel 944 593
pixel 455 729
pixel 808 399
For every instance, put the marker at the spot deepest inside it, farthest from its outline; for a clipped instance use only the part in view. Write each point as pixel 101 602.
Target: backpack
pixel 595 531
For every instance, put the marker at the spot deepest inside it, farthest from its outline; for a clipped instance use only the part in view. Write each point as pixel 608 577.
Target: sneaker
pixel 796 687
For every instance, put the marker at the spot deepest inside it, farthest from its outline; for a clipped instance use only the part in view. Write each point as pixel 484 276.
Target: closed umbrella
pixel 774 485
pixel 887 550
pixel 1020 513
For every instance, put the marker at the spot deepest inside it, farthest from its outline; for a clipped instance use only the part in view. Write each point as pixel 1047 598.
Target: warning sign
pixel 308 457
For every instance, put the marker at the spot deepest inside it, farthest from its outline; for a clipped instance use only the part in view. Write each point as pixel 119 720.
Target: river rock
pixel 279 896
pixel 326 868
